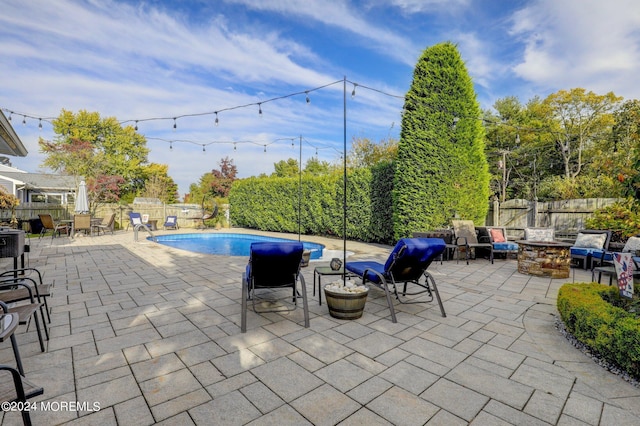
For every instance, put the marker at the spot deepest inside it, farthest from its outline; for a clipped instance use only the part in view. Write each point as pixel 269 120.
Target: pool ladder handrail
pixel 146 228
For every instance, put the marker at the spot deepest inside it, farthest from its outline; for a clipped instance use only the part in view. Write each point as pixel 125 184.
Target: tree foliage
pixel 441 168
pixel 572 143
pixel 366 153
pixel 92 147
pixel 158 184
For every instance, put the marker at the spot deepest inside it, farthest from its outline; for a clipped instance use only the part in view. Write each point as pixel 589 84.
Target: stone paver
pixel 152 335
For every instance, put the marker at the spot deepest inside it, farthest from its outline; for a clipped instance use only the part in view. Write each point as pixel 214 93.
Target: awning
pixel 10 143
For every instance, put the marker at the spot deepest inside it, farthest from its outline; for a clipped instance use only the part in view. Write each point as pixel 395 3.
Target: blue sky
pixel 155 60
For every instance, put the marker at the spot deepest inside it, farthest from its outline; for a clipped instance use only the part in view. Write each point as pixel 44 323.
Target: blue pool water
pixel 226 244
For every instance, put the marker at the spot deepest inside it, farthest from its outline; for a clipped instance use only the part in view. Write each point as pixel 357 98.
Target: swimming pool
pixel 226 244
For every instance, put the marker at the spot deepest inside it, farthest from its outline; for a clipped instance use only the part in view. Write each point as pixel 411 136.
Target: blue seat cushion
pixel 505 246
pixel 581 251
pixel 358 268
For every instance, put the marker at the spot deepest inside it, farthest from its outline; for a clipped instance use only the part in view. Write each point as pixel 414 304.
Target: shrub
pixel 622 217
pixel 610 330
pixel 441 166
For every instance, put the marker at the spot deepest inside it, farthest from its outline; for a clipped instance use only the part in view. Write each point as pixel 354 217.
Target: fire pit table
pixel 544 258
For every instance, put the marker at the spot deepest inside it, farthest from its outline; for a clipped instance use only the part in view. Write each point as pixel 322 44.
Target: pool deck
pixel 152 334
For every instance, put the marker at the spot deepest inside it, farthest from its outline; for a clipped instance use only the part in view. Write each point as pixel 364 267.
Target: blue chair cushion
pixel 358 268
pixel 581 251
pixel 505 246
pixel 274 263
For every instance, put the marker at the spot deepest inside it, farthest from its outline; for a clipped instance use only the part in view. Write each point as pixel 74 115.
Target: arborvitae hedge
pixel 441 169
pixel 271 204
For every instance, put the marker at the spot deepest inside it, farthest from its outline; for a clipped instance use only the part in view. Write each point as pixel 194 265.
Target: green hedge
pixel 609 330
pixel 271 204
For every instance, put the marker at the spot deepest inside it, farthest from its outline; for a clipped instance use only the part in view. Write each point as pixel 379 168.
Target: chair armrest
pixel 4 284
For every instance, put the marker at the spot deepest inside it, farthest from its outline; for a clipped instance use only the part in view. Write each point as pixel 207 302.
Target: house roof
pixel 10 143
pixel 41 180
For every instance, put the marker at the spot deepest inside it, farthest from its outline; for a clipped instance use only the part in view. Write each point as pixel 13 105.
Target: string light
pixel 170 146
pixel 10 114
pixel 175 125
pixel 260 109
pixel 24 120
pixel 307 96
pixel 40 123
pixel 203 150
pixel 234 146
pixel 265 148
pixel 216 122
pixel 136 128
pixel 353 92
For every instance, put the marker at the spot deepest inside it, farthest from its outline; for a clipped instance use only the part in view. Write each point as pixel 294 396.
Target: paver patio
pixel 152 334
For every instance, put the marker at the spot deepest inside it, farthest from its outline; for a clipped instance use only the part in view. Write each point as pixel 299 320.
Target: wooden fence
pixel 189 215
pixel 566 217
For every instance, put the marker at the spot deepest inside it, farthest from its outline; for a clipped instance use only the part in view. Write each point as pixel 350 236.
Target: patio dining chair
pixel 407 264
pixel 81 222
pixel 48 224
pixel 107 224
pixel 273 265
pixel 17 389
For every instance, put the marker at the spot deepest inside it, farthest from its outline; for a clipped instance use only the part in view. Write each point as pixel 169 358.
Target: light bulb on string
pixel 353 92
pixel 24 120
pixel 40 123
pixel 216 122
pixel 307 96
pixel 265 148
pixel 10 114
pixel 259 109
pixel 170 146
pixel 203 150
pixel 234 146
pixel 175 125
pixel 136 128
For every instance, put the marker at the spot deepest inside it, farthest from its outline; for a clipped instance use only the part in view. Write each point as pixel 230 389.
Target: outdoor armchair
pixel 497 236
pixel 590 244
pixel 407 264
pixel 273 265
pixel 466 237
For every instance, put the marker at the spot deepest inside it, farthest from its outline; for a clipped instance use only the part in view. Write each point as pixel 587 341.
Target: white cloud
pixel 580 43
pixel 341 14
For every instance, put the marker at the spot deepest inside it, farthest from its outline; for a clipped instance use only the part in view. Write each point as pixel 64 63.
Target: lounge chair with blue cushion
pixel 590 244
pixel 273 265
pixel 171 222
pixel 407 263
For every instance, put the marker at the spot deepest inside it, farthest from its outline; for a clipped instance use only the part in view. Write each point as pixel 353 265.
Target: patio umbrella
pixel 82 201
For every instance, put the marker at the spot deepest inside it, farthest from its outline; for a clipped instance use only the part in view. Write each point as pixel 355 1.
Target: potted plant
pixel 345 300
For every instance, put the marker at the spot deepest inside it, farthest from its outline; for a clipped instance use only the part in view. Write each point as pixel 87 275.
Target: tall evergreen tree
pixel 441 169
